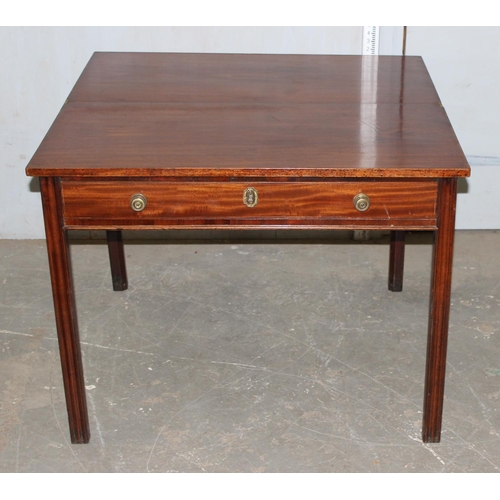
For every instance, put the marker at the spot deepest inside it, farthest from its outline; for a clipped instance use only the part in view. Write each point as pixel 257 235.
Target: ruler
pixel 369 48
pixel 370 40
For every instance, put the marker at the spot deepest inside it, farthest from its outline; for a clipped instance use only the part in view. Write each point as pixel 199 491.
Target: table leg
pixel 396 261
pixel 439 312
pixel 117 260
pixel 65 311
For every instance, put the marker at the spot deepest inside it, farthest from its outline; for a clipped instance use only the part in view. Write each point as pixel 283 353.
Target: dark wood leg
pixel 65 311
pixel 439 313
pixel 396 261
pixel 117 260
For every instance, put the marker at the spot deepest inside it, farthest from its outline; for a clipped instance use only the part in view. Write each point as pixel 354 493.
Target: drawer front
pixel 203 203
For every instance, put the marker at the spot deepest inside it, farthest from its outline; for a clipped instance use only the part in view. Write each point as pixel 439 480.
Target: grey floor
pixel 246 356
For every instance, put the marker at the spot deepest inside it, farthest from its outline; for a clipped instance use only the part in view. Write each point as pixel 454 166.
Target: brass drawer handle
pixel 361 202
pixel 250 197
pixel 138 202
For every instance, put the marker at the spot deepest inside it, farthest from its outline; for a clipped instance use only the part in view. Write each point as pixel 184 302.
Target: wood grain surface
pixel 331 203
pixel 237 115
pixel 251 79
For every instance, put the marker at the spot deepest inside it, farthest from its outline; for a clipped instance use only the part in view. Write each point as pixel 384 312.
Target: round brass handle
pixel 138 202
pixel 361 202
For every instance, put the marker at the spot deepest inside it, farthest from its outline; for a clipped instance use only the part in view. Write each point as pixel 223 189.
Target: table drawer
pixel 169 200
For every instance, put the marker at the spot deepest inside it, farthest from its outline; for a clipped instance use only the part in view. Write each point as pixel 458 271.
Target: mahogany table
pixel 212 141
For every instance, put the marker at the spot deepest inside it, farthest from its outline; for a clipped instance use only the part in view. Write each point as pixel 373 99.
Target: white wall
pixel 464 63
pixel 41 65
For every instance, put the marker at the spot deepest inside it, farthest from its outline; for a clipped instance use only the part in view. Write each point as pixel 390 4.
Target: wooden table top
pixel 248 115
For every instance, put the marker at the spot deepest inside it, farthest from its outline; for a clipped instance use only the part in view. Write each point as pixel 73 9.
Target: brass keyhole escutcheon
pixel 361 202
pixel 138 202
pixel 250 197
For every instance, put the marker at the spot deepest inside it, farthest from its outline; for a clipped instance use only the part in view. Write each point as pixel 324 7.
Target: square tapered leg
pixel 439 312
pixel 65 311
pixel 117 260
pixel 396 261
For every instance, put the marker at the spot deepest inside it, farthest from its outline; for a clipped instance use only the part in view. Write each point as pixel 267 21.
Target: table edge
pixel 224 173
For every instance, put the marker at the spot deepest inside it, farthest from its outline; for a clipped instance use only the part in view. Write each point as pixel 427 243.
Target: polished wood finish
pixel 192 131
pixel 243 115
pixel 284 140
pixel 396 261
pixel 286 203
pixel 439 313
pixel 117 260
pixel 253 79
pixel 65 311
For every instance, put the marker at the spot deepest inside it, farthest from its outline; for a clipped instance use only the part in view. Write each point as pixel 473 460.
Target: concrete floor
pixel 247 356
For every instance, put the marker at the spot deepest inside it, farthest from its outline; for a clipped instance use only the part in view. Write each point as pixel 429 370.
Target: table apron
pixel 260 204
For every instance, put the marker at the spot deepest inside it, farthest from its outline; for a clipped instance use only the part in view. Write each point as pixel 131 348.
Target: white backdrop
pixel 41 65
pixel 464 63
